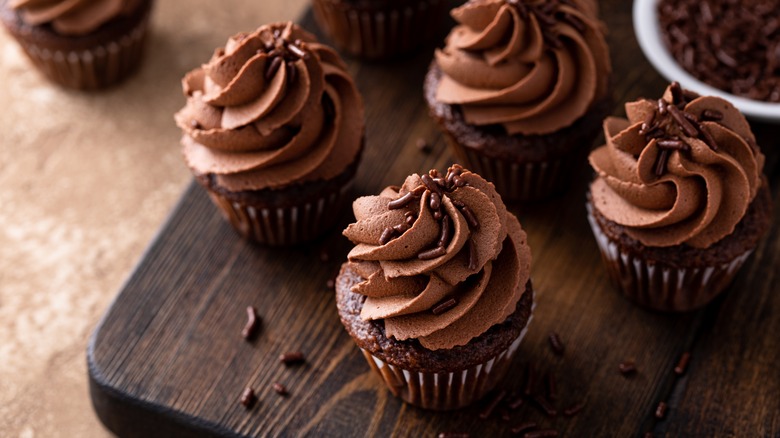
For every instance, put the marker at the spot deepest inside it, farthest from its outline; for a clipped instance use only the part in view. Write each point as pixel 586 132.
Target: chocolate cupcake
pixel 81 44
pixel 273 129
pixel 378 29
pixel 679 201
pixel 437 291
pixel 520 90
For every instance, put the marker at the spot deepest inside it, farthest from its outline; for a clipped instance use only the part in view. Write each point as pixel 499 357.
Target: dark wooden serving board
pixel 168 358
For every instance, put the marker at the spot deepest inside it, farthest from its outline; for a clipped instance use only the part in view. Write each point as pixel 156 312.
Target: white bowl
pixel 648 32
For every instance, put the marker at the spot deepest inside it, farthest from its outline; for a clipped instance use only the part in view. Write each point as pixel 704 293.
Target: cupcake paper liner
pixel 446 391
pixel 378 32
pixel 659 286
pixel 98 67
pixel 288 224
pixel 519 181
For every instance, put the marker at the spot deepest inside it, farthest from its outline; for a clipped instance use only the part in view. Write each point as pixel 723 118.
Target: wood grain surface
pixel 168 357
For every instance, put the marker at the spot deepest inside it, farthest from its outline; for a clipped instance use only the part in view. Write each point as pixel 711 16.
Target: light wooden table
pixel 85 182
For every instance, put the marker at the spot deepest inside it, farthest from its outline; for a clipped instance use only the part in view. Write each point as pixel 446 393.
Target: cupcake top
pixel 271 108
pixel 441 258
pixel 72 17
pixel 532 66
pixel 680 170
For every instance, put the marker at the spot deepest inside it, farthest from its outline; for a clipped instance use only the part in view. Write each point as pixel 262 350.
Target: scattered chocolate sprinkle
pixel 627 367
pixel 673 144
pixel 660 411
pixel 555 343
pixel 435 202
pixel 713 115
pixel 552 388
pixel 401 202
pixel 250 329
pixel 682 365
pixel 292 72
pixel 453 435
pixel 516 403
pixel 280 389
pixel 544 433
pixel 446 232
pixel 444 306
pixel 470 217
pixel 505 415
pixel 472 256
pixel 292 358
pixel 491 406
pixel 423 145
pixel 660 164
pixel 273 67
pixel 574 409
pixel 432 253
pixel 545 405
pixel 523 428
pixel 248 397
pixel 387 235
pixel 530 380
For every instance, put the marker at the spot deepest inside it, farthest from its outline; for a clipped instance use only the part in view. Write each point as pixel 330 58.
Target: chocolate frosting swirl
pixel 442 259
pixel 271 108
pixel 72 17
pixel 670 182
pixel 532 66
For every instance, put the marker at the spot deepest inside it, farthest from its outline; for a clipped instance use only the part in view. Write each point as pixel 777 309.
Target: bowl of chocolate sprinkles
pixel 725 48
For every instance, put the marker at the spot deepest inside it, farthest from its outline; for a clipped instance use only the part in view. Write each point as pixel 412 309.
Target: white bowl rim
pixel 648 32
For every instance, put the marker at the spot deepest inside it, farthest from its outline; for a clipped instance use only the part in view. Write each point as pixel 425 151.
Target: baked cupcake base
pixel 433 379
pixel 381 28
pixel 89 62
pixel 679 278
pixel 522 167
pixel 294 214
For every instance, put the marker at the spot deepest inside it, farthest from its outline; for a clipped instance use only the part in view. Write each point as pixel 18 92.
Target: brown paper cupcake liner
pixel 379 32
pixel 96 68
pixel 519 181
pixel 446 391
pixel 284 224
pixel 658 285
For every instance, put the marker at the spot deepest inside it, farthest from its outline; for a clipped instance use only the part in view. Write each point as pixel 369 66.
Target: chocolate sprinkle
pixel 273 67
pixel 556 344
pixel 660 164
pixel 574 410
pixel 544 433
pixel 673 144
pixel 444 306
pixel 491 406
pixel 552 388
pixel 280 389
pixel 401 202
pixel 545 405
pixel 435 202
pixel 250 329
pixel 248 397
pixel 712 115
pixel 524 427
pixel 472 256
pixel 454 435
pixel 387 235
pixel 470 217
pixel 432 253
pixel 660 411
pixel 627 367
pixel 530 380
pixel 446 232
pixel 430 184
pixel 516 403
pixel 682 365
pixel 292 358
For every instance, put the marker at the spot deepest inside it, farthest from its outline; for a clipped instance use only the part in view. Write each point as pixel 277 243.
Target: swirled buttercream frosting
pixel 679 170
pixel 441 258
pixel 72 17
pixel 532 66
pixel 272 108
